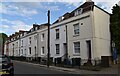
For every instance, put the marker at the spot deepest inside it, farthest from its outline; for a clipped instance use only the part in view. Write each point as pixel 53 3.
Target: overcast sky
pixel 18 15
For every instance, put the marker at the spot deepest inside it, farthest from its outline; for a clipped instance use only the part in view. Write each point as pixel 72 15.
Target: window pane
pixel 57 49
pixel 57 33
pixel 76 29
pixel 42 37
pixel 76 47
pixel 29 50
pixel 42 50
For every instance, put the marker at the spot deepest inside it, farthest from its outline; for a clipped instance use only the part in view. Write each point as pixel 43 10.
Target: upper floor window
pixel 16 44
pixel 61 18
pixel 78 12
pixel 22 43
pixel 35 37
pixel 76 47
pixel 30 40
pixel 22 34
pixel 57 49
pixel 57 33
pixel 42 37
pixel 76 29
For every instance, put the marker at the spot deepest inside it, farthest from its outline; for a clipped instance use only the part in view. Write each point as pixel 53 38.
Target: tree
pixel 115 26
pixel 3 38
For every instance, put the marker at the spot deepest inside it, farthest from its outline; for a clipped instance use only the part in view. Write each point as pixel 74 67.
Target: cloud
pixel 107 5
pixel 56 0
pixel 76 4
pixel 4 27
pixel 38 5
pixel 17 10
pixel 13 26
pixel 104 4
pixel 50 6
pixel 25 9
pixel 119 3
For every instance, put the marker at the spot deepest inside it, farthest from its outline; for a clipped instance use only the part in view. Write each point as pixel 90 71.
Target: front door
pixel 89 49
pixel 65 49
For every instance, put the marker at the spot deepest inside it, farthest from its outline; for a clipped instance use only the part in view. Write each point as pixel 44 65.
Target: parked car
pixel 6 66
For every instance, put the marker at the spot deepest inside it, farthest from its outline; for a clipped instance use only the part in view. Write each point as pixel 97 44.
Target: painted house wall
pixel 60 41
pixel 101 33
pixel 32 45
pixel 85 33
pixel 23 44
pixel 11 48
pixel 42 43
pixel 16 48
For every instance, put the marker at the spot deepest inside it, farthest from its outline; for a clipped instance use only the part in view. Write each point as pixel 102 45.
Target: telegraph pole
pixel 48 55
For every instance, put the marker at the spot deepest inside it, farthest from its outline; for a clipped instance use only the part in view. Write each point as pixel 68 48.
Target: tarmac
pixel 113 69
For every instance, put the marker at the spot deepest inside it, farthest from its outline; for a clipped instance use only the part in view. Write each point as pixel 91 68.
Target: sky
pixel 18 15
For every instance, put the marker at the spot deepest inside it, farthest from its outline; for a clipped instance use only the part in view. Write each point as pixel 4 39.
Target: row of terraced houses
pixel 81 36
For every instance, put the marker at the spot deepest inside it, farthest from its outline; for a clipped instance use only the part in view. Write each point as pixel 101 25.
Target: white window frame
pixel 21 51
pixel 57 48
pixel 78 12
pixel 57 33
pixel 30 52
pixel 42 51
pixel 35 37
pixel 75 48
pixel 21 43
pixel 30 40
pixel 76 29
pixel 16 44
pixel 42 37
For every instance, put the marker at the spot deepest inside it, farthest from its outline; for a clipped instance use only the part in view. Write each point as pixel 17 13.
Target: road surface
pixel 28 68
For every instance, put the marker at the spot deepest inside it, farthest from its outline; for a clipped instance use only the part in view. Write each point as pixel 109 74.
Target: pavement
pixel 113 69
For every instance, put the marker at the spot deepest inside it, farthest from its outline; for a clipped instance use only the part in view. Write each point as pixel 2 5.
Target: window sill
pixel 56 39
pixel 42 54
pixel 76 54
pixel 57 54
pixel 75 35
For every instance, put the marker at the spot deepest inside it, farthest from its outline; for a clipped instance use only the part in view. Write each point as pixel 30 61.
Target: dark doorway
pixel 89 51
pixel 65 49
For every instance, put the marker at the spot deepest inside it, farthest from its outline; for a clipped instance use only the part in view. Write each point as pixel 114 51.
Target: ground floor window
pixel 57 49
pixel 42 50
pixel 76 47
pixel 29 50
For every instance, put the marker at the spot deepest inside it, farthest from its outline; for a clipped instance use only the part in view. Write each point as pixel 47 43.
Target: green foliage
pixel 115 26
pixel 3 36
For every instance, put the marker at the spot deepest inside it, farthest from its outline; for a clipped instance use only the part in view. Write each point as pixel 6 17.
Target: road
pixel 28 68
